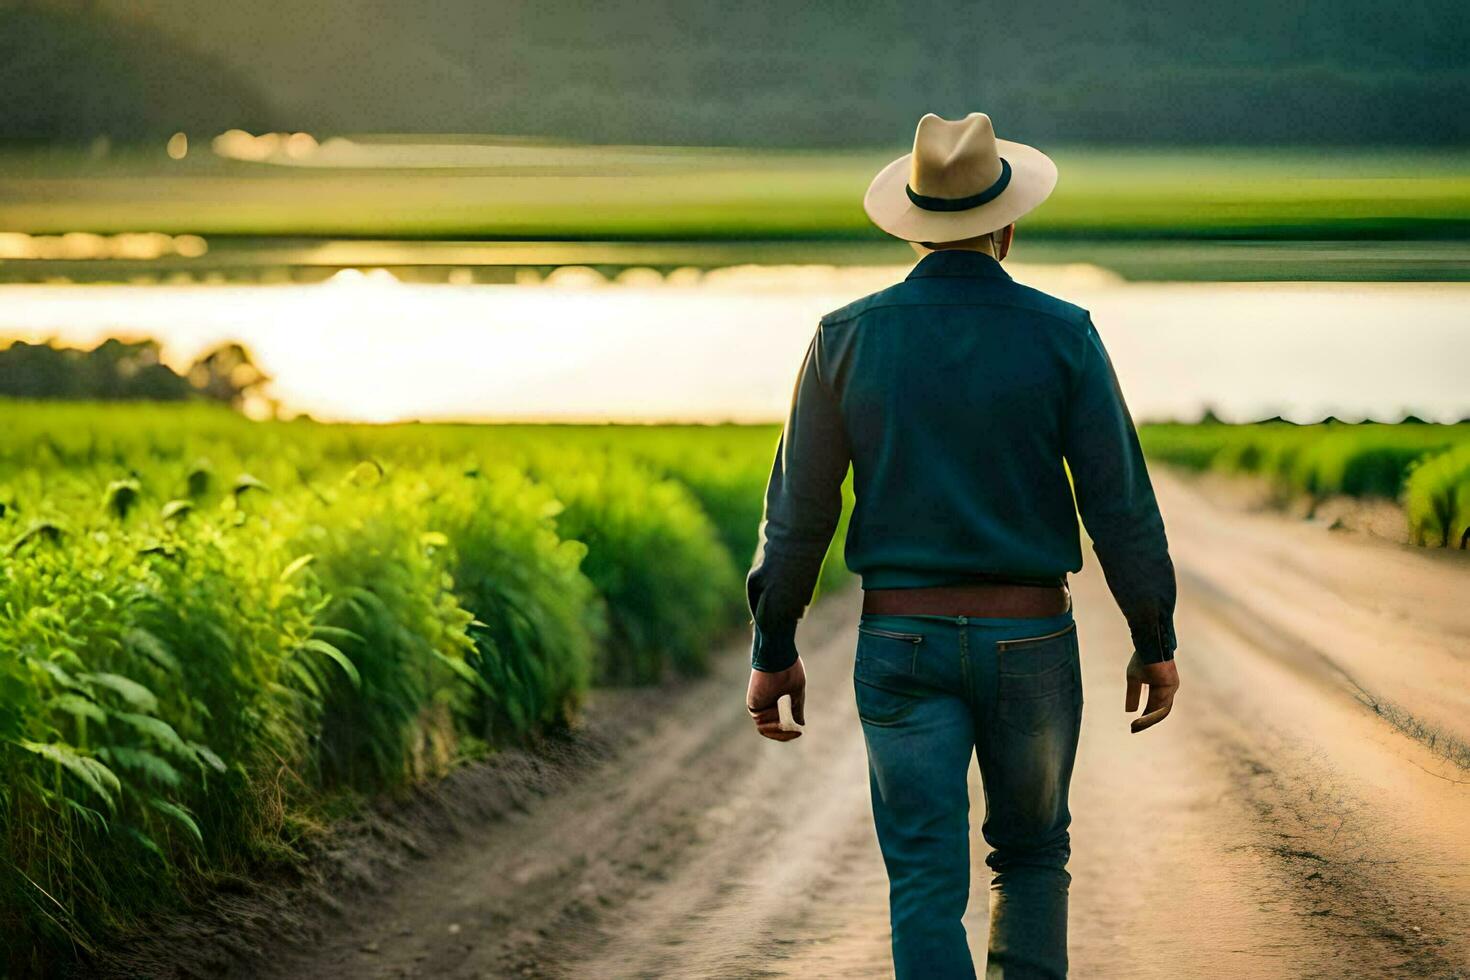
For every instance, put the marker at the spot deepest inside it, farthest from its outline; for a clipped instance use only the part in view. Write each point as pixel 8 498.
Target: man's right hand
pixel 1162 680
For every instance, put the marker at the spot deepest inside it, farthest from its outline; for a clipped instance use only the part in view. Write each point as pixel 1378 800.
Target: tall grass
pixel 1423 465
pixel 212 631
pixel 656 559
pixel 153 681
pixel 539 620
pixel 1437 499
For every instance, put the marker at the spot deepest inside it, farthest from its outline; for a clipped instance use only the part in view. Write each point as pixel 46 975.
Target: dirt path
pixel 1280 825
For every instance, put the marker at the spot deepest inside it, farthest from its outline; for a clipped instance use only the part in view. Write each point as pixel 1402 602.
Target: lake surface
pixel 725 345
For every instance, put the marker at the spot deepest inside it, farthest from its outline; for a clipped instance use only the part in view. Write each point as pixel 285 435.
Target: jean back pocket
pixel 883 675
pixel 1039 680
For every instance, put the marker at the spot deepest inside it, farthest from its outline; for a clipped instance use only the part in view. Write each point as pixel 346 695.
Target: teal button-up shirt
pixel 956 396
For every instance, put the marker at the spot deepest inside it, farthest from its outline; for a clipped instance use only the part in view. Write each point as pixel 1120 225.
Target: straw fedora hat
pixel 959 182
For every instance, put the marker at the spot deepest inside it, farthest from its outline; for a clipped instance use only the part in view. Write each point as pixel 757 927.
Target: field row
pixel 467 190
pixel 1426 467
pixel 215 634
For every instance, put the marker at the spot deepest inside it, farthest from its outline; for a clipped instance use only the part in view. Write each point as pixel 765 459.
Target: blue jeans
pixel 931 690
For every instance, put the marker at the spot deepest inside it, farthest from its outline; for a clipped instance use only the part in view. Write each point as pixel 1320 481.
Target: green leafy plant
pixel 1437 499
pixel 1421 464
pixel 214 631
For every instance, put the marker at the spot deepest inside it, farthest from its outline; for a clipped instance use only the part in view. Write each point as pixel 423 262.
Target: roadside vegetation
pixel 1425 467
pixel 217 634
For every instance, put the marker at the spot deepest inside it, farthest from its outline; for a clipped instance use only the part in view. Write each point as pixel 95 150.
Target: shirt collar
pixel 957 262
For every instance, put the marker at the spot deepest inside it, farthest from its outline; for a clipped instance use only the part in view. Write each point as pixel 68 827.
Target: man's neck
pixel 986 249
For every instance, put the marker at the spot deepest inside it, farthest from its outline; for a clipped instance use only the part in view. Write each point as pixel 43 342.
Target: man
pixel 956 396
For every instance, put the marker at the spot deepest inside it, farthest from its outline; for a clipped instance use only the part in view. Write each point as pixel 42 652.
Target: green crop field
pixel 213 631
pixel 1427 467
pixel 457 188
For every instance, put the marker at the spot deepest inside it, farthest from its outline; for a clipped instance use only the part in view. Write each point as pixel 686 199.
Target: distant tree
pixel 128 371
pixel 119 370
pixel 227 374
pixel 33 371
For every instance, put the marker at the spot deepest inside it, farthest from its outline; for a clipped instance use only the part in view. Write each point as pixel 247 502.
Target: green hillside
pixel 770 73
pixel 72 75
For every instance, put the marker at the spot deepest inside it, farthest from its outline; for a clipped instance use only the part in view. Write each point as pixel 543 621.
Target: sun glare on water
pixel 726 345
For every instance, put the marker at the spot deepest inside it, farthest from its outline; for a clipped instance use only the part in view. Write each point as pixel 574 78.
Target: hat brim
pixel 1033 175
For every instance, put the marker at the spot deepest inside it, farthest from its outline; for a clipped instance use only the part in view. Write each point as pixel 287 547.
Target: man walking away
pixel 962 399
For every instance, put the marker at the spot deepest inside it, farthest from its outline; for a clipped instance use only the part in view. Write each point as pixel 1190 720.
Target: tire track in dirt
pixel 1359 819
pixel 1362 827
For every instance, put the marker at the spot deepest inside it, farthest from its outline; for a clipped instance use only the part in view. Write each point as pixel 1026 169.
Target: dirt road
pixel 1306 812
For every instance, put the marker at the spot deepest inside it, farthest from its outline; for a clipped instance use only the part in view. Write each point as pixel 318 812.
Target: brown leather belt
pixel 983 600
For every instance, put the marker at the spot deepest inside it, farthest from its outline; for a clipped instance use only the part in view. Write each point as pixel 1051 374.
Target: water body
pixel 725 345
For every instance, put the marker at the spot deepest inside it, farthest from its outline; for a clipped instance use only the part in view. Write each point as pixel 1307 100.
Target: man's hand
pixel 766 689
pixel 1162 680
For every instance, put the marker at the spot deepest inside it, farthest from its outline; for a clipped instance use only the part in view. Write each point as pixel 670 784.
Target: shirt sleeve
pixel 1117 505
pixel 802 508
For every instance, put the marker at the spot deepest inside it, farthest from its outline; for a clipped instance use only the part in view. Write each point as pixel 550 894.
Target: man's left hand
pixel 766 689
pixel 1162 681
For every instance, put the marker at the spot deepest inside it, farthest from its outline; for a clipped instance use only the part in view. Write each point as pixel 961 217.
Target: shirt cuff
pixel 1155 643
pixel 773 650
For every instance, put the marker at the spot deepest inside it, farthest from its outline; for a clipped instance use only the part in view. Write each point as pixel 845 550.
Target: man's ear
pixel 1003 247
